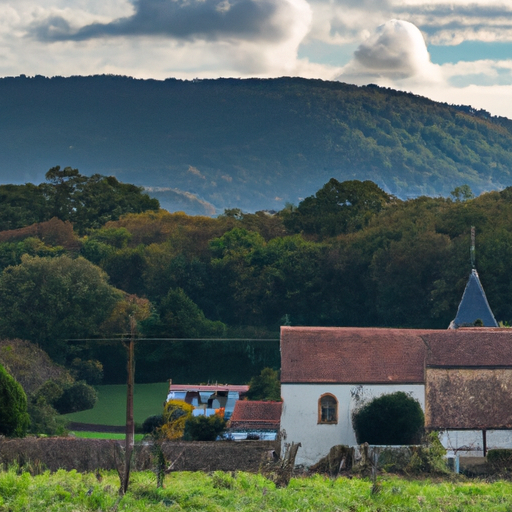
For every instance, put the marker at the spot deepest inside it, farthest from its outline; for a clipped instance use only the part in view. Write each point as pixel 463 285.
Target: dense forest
pixel 203 146
pixel 350 255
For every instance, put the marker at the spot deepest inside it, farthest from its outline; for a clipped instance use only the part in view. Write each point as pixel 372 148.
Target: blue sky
pixel 453 51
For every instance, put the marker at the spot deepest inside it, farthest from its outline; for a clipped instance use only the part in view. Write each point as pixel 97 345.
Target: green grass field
pixel 105 435
pixel 110 409
pixel 243 492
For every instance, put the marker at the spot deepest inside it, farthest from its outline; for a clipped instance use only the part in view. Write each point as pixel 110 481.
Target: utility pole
pixel 130 430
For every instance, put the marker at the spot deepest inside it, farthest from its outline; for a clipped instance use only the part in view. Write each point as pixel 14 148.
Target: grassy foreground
pixel 71 491
pixel 110 409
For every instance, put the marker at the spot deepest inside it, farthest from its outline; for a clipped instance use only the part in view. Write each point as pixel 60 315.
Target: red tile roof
pixel 256 415
pixel 466 348
pixel 212 388
pixel 359 355
pixel 351 355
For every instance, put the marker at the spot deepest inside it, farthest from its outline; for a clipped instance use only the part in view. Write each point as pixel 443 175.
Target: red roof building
pixel 256 416
pixel 352 355
pixel 460 377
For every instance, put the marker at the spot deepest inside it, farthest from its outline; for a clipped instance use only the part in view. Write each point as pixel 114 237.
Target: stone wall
pixel 89 454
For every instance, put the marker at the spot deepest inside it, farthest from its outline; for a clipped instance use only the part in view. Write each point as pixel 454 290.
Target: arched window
pixel 327 409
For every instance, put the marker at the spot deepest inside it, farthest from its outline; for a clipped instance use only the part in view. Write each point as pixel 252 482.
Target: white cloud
pixel 396 52
pixel 441 21
pixel 246 38
pixel 210 20
pixel 395 55
pixel 490 68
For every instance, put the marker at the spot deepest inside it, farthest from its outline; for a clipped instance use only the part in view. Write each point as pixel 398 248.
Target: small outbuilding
pixel 255 420
pixel 207 399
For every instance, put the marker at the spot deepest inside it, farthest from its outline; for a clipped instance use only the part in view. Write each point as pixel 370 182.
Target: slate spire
pixel 474 305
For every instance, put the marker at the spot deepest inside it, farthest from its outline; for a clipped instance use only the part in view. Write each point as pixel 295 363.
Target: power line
pixel 126 338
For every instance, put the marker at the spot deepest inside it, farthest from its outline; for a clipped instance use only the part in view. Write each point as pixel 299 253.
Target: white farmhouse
pixel 462 378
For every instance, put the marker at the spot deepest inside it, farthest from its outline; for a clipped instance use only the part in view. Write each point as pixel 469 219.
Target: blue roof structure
pixel 473 306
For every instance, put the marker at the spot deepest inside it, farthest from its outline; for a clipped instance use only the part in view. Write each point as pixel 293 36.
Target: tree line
pixel 350 255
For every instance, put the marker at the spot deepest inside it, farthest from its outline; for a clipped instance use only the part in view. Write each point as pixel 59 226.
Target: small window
pixel 327 409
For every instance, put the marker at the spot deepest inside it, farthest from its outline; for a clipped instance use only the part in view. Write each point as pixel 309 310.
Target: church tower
pixel 474 305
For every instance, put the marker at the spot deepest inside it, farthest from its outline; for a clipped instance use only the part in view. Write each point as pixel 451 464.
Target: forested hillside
pixel 350 255
pixel 206 145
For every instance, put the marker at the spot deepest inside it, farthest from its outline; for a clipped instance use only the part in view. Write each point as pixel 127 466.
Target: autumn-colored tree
pixel 175 416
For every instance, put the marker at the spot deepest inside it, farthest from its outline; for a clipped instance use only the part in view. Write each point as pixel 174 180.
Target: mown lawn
pixel 105 435
pixel 243 492
pixel 110 409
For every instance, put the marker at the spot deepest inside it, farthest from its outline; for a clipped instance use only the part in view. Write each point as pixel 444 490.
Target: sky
pixel 456 51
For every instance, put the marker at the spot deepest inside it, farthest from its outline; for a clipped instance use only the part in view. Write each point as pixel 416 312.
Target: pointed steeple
pixel 474 305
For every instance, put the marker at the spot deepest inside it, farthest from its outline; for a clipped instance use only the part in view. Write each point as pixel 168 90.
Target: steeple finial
pixel 472 250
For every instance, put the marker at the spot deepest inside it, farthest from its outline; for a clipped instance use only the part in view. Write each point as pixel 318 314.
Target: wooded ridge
pixel 205 145
pixel 350 255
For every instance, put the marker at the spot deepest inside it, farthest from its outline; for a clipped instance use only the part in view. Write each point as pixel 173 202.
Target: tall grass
pixel 243 492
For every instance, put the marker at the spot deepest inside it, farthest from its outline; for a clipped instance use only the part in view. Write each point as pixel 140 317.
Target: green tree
pixel 88 202
pixel 76 397
pixel 50 300
pixel 180 317
pixel 152 424
pixel 265 386
pixel 14 419
pixel 391 419
pixel 61 190
pixel 91 370
pixel 22 205
pixel 99 199
pixel 233 274
pixel 44 419
pixel 404 274
pixel 462 193
pixel 338 208
pixel 11 252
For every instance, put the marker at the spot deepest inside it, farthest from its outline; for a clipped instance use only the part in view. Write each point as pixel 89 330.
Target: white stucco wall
pixel 299 419
pixel 299 416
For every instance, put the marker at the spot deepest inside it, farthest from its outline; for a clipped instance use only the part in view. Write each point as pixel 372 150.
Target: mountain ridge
pixel 247 143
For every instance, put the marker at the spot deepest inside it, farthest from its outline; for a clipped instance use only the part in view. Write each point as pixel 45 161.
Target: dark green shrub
pixel 500 458
pixel 49 392
pixel 77 397
pixel 427 458
pixel 91 370
pixel 265 386
pixel 152 423
pixel 393 419
pixel 14 419
pixel 44 419
pixel 203 428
